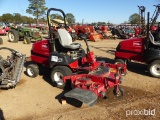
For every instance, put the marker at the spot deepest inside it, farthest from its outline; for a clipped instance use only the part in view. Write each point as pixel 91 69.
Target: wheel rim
pixel 30 72
pixel 58 78
pixel 25 41
pixel 156 69
pixel 11 36
pixel 119 93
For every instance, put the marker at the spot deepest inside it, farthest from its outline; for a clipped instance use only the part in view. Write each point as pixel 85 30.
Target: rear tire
pixel 154 68
pixel 58 73
pixel 13 36
pixel 27 40
pixel 32 70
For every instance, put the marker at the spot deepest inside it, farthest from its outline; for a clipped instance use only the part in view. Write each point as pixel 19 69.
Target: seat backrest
pixel 65 38
pixel 152 39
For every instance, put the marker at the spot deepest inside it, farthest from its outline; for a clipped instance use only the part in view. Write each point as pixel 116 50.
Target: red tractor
pixel 89 31
pixel 89 78
pixel 143 49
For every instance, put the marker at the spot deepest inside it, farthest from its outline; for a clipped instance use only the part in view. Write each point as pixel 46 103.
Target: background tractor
pixel 25 33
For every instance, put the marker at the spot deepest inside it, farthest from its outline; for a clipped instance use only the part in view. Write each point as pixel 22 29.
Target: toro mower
pixel 143 49
pixel 11 68
pixel 68 62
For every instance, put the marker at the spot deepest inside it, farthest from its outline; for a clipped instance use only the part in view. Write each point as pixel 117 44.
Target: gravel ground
pixel 36 98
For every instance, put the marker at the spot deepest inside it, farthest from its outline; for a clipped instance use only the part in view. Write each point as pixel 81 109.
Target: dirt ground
pixel 37 99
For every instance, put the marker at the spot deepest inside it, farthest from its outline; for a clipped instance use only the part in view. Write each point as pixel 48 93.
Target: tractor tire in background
pixel 13 36
pixel 154 68
pixel 27 40
pixel 1 41
pixel 58 73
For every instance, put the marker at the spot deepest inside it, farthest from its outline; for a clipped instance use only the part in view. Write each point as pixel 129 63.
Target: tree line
pixel 18 18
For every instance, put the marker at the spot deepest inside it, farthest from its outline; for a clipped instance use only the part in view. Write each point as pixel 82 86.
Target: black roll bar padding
pixel 142 18
pixel 148 29
pixel 49 25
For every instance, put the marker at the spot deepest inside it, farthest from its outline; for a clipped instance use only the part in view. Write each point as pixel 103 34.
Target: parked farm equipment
pixel 11 68
pixel 2 28
pixel 89 78
pixel 143 49
pixel 120 33
pixel 88 31
pixel 25 33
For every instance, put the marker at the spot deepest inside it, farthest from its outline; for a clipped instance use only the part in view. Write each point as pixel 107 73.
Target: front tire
pixel 32 70
pixel 58 73
pixel 13 36
pixel 154 68
pixel 27 40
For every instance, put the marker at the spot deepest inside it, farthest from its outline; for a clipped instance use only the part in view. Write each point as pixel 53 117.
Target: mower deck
pixel 88 87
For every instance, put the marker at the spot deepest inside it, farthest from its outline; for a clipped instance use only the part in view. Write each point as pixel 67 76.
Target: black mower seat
pixel 152 40
pixel 65 40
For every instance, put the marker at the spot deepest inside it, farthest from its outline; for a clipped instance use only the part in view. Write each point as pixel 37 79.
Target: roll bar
pixel 142 17
pixel 49 25
pixel 155 15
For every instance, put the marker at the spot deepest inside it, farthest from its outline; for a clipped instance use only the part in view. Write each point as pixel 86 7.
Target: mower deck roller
pixel 11 69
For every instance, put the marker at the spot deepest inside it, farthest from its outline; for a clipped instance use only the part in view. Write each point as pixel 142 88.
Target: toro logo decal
pixel 44 46
pixel 56 59
pixel 137 43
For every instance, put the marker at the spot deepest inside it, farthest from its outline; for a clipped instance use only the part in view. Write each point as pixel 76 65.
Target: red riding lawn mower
pixel 143 49
pixel 69 62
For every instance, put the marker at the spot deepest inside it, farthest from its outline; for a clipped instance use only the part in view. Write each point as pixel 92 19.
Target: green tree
pixel 70 18
pixel 134 19
pixel 37 8
pixel 16 17
pixel 94 23
pixel 101 23
pixel 7 17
